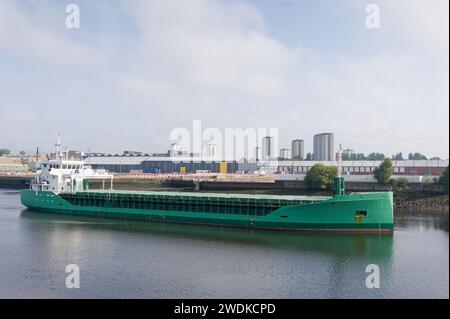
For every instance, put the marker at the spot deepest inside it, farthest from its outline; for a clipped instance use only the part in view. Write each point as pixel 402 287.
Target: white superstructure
pixel 60 175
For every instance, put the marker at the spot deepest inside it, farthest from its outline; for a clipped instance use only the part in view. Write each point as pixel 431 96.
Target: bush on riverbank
pixel 320 177
pixel 443 180
pixel 399 184
pixel 383 173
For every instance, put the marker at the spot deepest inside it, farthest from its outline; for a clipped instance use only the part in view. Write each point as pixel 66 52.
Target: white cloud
pixel 217 61
pixel 35 36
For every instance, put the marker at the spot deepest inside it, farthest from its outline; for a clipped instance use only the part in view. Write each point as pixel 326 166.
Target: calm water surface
pixel 119 259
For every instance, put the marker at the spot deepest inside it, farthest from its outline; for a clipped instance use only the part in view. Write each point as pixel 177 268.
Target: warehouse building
pixel 405 168
pixel 155 165
pixel 165 164
pixel 116 164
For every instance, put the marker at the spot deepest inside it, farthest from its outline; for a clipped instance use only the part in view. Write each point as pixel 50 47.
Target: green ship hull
pixel 360 212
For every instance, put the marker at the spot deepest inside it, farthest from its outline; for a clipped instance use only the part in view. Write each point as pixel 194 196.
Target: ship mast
pixel 339 161
pixel 338 182
pixel 58 147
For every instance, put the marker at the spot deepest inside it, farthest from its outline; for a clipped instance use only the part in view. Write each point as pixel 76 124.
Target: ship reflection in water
pixel 374 245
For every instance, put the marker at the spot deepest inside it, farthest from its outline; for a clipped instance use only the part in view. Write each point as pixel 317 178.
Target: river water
pixel 119 259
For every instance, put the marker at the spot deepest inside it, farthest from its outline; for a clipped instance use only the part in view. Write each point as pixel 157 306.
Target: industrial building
pixel 323 149
pixel 162 165
pixel 298 149
pixel 159 164
pixel 401 168
pixel 116 164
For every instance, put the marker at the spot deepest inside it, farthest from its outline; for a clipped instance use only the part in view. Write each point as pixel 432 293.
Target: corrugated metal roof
pixel 131 160
pixel 114 160
pixel 406 163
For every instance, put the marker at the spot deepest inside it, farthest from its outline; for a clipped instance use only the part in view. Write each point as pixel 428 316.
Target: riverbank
pixel 421 201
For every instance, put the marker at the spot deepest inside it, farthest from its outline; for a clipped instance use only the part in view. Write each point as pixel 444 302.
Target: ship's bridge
pixel 60 175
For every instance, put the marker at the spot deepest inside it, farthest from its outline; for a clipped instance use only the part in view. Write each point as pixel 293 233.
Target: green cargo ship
pixel 61 186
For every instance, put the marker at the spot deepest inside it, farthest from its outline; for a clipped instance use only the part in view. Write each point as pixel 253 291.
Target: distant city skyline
pixel 133 72
pixel 265 149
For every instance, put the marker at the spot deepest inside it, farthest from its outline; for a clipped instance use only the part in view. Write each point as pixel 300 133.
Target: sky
pixel 136 70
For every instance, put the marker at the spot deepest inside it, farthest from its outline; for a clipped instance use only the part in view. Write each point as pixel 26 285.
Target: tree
pixel 399 184
pixel 375 157
pixel 398 157
pixel 416 156
pixel 309 157
pixel 383 173
pixel 22 153
pixel 320 177
pixel 4 151
pixel 443 180
pixel 297 158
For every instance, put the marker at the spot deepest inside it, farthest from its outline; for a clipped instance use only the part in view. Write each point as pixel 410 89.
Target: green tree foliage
pixel 357 157
pixel 398 157
pixel 4 151
pixel 297 158
pixel 383 173
pixel 22 153
pixel 375 157
pixel 361 157
pixel 399 184
pixel 309 157
pixel 416 156
pixel 443 180
pixel 320 177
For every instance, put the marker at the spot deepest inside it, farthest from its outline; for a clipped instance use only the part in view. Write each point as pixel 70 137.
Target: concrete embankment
pixel 15 182
pixel 216 185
